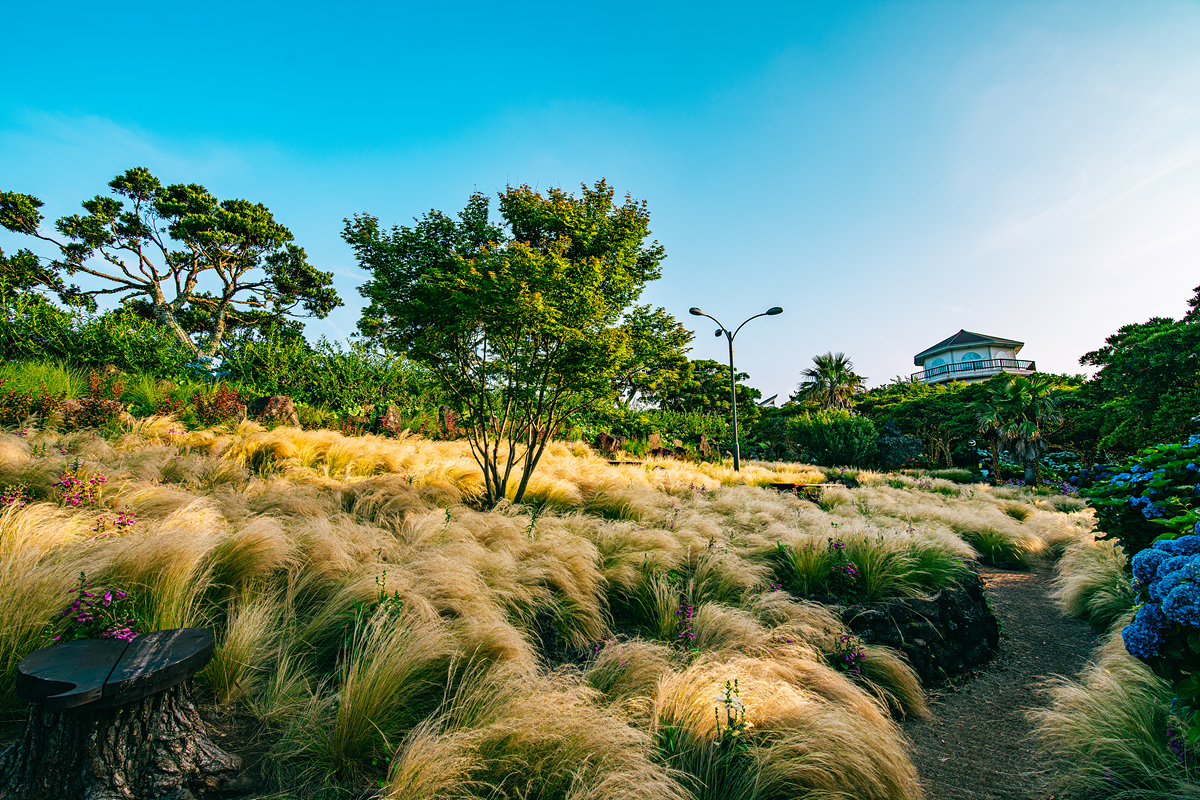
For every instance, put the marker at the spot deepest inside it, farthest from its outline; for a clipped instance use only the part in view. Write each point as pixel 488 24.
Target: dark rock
pixel 391 421
pixel 275 408
pixel 607 443
pixel 944 635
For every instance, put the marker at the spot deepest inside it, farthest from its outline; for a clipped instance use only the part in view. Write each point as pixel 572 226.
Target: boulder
pixel 275 408
pixel 391 421
pixel 943 636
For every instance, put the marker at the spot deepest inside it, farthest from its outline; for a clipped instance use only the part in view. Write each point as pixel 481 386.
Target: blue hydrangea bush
pixel 1158 497
pixel 1165 632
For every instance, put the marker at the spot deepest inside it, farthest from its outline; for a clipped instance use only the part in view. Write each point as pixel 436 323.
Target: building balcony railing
pixel 966 369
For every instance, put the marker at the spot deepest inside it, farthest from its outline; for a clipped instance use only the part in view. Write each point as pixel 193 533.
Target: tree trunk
pixel 995 447
pixel 145 749
pixel 1030 474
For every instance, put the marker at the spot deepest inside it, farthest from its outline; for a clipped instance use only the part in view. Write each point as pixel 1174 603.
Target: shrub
pixel 1153 497
pixel 834 437
pixel 96 410
pixel 35 330
pixel 1165 632
pixel 325 374
pixel 16 406
pixel 223 405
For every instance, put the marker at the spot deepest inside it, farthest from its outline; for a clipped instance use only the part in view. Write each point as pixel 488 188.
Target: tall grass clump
pixel 1111 733
pixel 1092 583
pixel 391 675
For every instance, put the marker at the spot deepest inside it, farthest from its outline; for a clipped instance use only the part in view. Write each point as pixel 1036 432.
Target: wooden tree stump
pixel 111 720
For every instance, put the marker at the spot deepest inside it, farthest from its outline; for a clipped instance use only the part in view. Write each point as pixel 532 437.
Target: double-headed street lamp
pixel 737 456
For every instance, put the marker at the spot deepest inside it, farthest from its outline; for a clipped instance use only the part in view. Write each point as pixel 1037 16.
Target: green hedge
pixel 833 438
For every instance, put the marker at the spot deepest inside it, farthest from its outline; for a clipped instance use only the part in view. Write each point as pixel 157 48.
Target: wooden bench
pixel 810 491
pixel 114 718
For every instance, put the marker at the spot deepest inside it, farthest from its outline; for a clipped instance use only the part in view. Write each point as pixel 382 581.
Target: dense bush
pixel 326 374
pixel 32 329
pixel 833 437
pixel 1165 632
pixel 1155 498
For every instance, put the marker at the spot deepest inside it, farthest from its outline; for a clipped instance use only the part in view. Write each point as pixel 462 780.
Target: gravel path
pixel 978 745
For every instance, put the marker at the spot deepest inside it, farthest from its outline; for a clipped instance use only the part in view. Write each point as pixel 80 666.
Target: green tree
pixel 1021 410
pixel 182 253
pixel 702 386
pixel 1148 383
pixel 518 320
pixel 657 347
pixel 831 381
pixel 942 415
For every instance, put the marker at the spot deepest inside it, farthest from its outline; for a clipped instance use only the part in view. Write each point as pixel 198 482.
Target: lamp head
pixel 773 311
pixel 695 312
pixel 718 332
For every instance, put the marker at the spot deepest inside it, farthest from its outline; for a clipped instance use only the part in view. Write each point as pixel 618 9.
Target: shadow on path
pixel 978 745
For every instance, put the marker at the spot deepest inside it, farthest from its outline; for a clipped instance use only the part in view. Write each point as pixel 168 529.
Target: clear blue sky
pixel 887 172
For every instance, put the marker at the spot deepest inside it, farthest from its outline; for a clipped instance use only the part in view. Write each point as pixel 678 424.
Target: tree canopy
pixel 194 263
pixel 1148 384
pixel 703 386
pixel 831 381
pixel 656 357
pixel 517 318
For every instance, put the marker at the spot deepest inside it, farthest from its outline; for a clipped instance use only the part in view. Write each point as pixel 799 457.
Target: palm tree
pixel 830 381
pixel 1022 408
pixel 989 416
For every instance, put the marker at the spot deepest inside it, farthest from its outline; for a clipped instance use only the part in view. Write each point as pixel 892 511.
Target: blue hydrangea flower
pixel 1151 511
pixel 1168 579
pixel 1141 641
pixel 1145 564
pixel 1183 604
pixel 1194 439
pixel 1183 546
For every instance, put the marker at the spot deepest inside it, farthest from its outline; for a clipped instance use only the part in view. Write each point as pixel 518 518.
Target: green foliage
pixel 655 357
pixel 940 415
pixel 518 321
pixel 181 253
pixel 33 329
pixel 702 386
pixel 1154 498
pixel 326 374
pixel 833 438
pixel 831 382
pixel 1148 383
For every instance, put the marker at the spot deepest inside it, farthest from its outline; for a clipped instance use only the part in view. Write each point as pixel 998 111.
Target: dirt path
pixel 978 745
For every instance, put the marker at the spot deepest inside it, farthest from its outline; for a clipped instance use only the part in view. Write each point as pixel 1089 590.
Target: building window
pixel 972 357
pixel 937 362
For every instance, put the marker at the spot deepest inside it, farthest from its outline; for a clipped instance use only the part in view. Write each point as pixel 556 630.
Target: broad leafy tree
pixel 656 356
pixel 518 317
pixel 196 264
pixel 702 386
pixel 1148 382
pixel 831 381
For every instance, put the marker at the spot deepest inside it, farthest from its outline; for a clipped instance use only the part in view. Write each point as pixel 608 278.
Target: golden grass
pixel 275 538
pixel 1108 731
pixel 1093 583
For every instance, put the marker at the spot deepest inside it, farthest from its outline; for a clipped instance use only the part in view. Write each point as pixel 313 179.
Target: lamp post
pixel 770 312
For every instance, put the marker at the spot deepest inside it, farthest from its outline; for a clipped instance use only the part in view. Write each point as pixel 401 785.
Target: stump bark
pixel 145 749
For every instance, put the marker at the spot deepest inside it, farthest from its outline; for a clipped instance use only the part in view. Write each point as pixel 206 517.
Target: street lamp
pixel 770 312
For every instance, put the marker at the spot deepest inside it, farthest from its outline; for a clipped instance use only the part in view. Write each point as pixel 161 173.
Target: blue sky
pixel 887 172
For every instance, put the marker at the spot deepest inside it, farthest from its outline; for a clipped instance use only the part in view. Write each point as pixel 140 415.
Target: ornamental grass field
pixel 633 631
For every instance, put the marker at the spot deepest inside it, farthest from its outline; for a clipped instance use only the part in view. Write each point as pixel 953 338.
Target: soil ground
pixel 978 745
